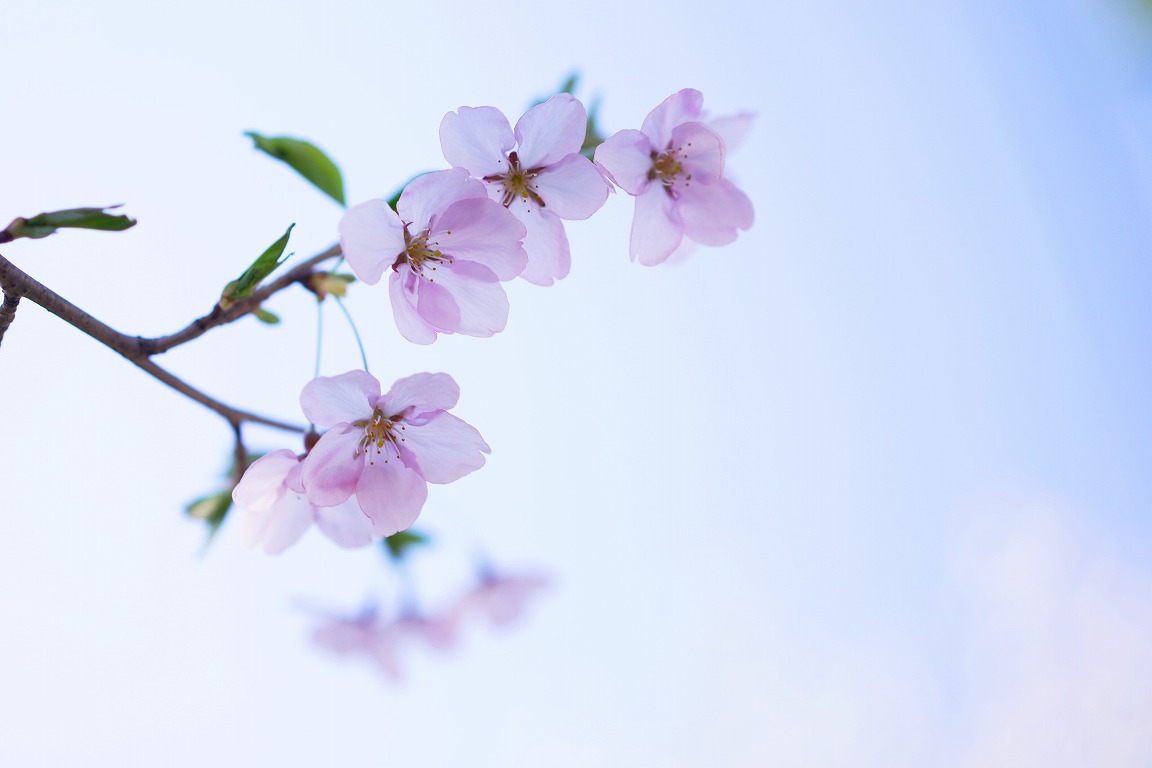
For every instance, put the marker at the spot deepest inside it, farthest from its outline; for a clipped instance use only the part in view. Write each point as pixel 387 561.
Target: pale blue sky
pixel 868 487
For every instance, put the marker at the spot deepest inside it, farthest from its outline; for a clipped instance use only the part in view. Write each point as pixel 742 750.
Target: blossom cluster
pixel 498 599
pixel 499 212
pixel 367 476
pixel 454 237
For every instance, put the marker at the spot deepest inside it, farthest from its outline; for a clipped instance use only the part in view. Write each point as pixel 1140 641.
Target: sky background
pixel 868 487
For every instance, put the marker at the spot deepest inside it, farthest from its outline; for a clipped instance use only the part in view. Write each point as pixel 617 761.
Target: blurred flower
pixel 536 171
pixel 382 640
pixel 277 513
pixel 385 449
pixel 448 247
pixel 501 599
pixel 674 167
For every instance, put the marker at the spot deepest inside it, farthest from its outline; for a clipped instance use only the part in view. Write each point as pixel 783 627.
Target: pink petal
pixel 713 212
pixel 371 237
pixel 626 156
pixel 483 231
pixel 263 482
pixel 332 467
pixel 279 527
pixel 501 599
pixel 401 290
pixel 572 188
pixel 481 306
pixel 426 196
pixel 656 227
pixel 437 306
pixel 681 107
pixel 440 632
pixel 547 246
pixel 446 448
pixel 392 495
pixel 549 131
pixel 683 252
pixel 345 524
pixel 422 393
pixel 344 636
pixel 478 139
pixel 733 129
pixel 700 151
pixel 330 400
pixel 294 480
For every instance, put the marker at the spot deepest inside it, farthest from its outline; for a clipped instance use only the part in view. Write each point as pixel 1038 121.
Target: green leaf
pixel 44 224
pixel 211 509
pixel 398 544
pixel 264 316
pixel 568 86
pixel 592 136
pixel 243 286
pixel 306 159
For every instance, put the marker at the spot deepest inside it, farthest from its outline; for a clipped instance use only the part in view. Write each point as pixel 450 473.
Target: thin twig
pixel 16 283
pixel 235 416
pixel 218 317
pixel 136 347
pixel 239 455
pixel 8 311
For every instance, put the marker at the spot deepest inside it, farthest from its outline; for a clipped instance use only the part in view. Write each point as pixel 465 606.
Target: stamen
pixel 518 182
pixel 379 435
pixel 419 253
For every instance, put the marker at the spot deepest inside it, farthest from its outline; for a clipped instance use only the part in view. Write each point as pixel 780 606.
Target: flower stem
pixel 356 333
pixel 319 336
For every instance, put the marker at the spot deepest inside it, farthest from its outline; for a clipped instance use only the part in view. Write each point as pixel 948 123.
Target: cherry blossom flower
pixel 501 599
pixel 674 167
pixel 381 640
pixel 536 171
pixel 277 513
pixel 385 449
pixel 448 246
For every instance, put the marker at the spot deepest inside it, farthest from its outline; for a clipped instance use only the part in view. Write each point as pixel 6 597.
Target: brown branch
pixel 218 317
pixel 12 279
pixel 137 350
pixel 136 347
pixel 235 416
pixel 8 311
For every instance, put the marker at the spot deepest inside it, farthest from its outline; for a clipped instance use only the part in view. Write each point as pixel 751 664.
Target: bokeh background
pixel 869 487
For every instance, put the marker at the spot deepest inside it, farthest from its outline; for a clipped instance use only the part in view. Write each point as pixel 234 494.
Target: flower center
pixel 518 182
pixel 668 167
pixel 380 435
pixel 420 255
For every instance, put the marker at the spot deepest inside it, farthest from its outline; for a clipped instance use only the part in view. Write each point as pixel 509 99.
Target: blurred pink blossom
pixel 536 171
pixel 674 167
pixel 383 641
pixel 448 247
pixel 277 513
pixel 385 449
pixel 500 599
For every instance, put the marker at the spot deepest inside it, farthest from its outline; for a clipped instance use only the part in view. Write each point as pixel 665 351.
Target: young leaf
pixel 592 136
pixel 243 286
pixel 44 224
pixel 264 316
pixel 397 544
pixel 568 86
pixel 211 509
pixel 306 159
